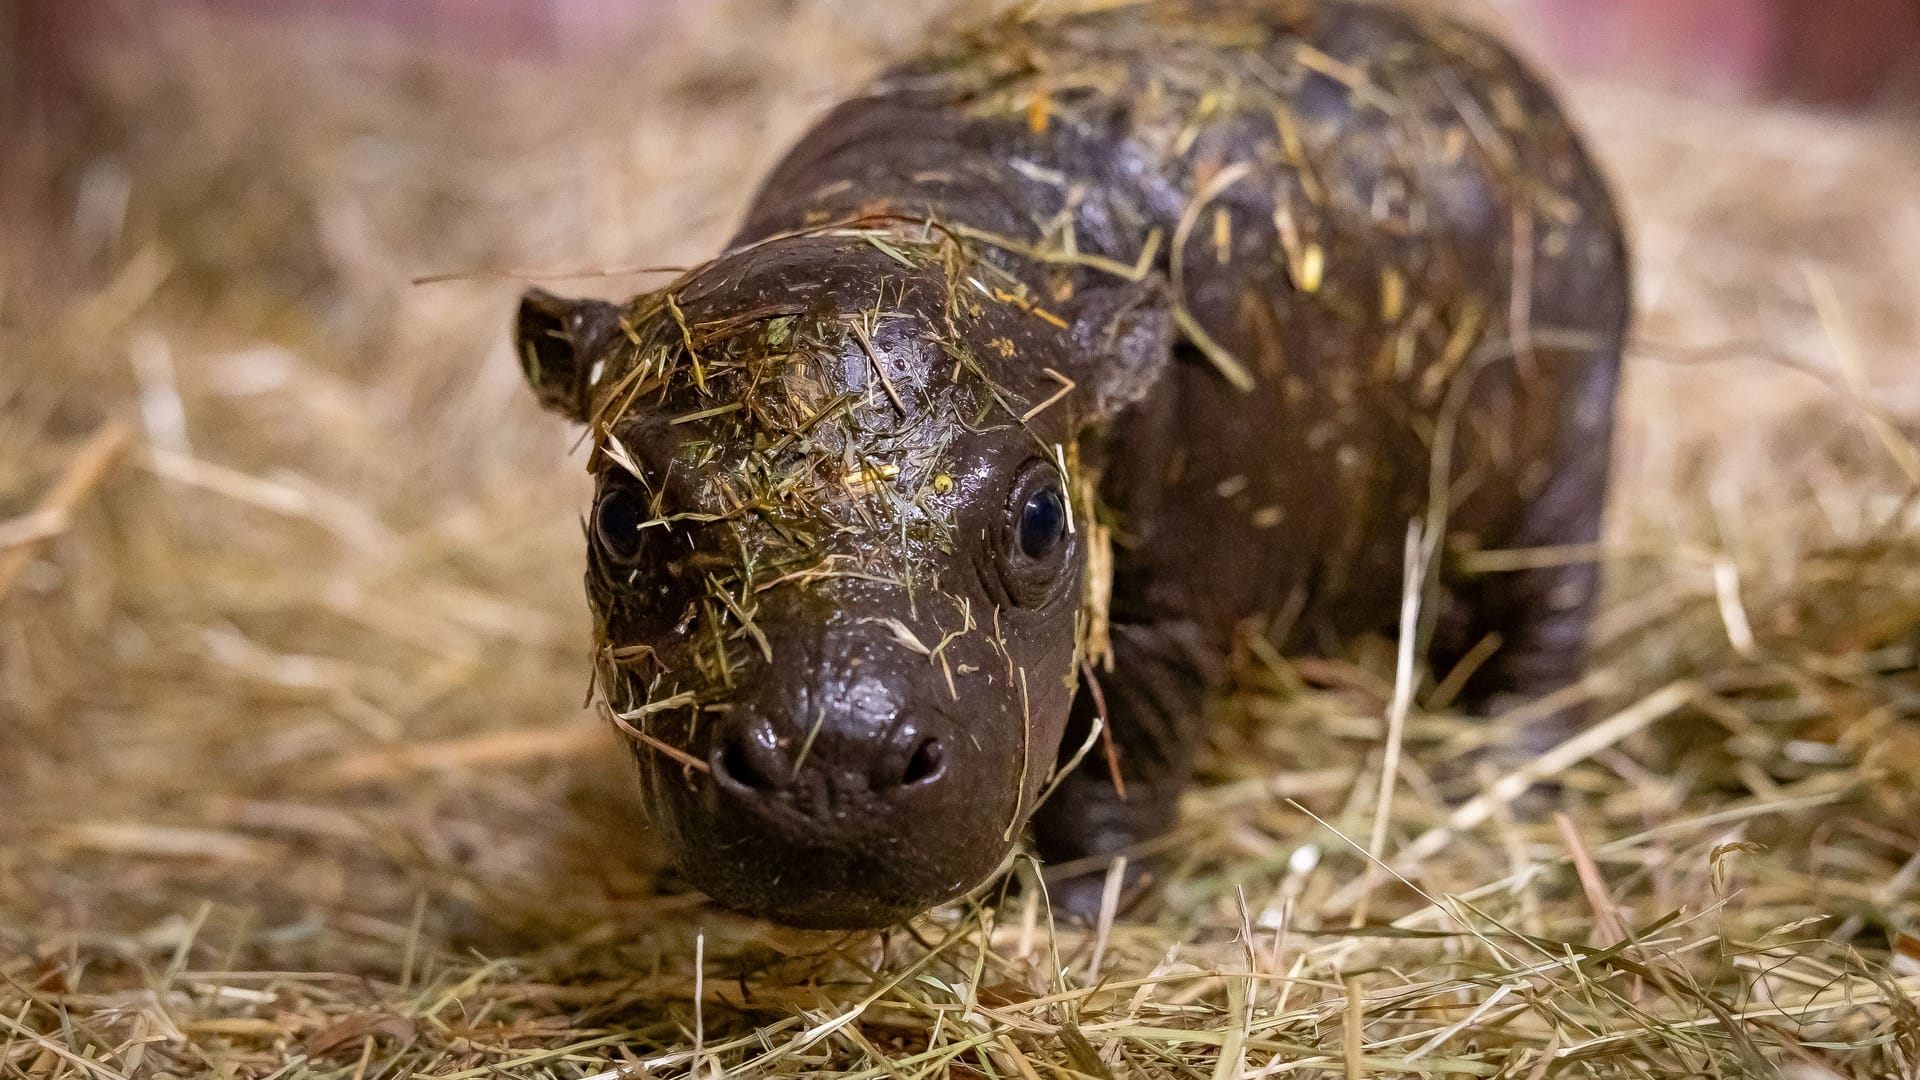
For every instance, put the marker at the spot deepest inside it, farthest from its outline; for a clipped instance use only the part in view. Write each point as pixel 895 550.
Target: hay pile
pixel 294 775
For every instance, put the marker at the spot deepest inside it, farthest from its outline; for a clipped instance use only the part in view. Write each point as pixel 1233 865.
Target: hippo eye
pixel 1043 522
pixel 617 521
pixel 1036 538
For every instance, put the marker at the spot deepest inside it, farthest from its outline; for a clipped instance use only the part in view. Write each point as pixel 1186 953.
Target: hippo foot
pixel 1082 897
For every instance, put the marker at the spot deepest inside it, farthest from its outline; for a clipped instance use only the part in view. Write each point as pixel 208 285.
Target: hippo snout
pixel 753 762
pixel 849 787
pixel 836 824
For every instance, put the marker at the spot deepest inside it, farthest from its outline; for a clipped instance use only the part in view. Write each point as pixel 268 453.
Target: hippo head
pixel 838 553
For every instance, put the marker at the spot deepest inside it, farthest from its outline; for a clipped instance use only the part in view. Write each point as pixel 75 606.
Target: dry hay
pixel 291 646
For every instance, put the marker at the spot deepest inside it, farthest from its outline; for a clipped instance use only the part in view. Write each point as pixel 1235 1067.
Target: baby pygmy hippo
pixel 1062 359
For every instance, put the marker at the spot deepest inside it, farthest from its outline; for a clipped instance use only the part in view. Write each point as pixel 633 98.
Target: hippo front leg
pixel 1544 649
pixel 1542 616
pixel 1162 681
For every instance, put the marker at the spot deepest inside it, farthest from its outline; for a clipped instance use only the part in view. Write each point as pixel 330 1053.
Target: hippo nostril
pixel 924 765
pixel 908 759
pixel 748 761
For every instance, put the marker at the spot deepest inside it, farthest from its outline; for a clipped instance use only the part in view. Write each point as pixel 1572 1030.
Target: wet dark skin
pixel 1041 377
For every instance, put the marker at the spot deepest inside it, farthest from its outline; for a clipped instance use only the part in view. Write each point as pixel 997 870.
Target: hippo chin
pixel 1041 374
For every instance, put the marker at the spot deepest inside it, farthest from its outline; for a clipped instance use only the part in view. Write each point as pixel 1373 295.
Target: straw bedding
pixel 295 774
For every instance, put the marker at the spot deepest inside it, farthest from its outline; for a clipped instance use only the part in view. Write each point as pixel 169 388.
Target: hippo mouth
pixel 832 849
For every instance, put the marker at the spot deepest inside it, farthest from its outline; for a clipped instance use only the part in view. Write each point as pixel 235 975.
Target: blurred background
pixel 1850 52
pixel 289 562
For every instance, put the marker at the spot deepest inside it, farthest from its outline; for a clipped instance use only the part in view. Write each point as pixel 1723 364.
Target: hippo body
pixel 1241 289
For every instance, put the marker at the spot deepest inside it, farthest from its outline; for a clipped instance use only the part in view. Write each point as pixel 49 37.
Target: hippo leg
pixel 1542 619
pixel 1543 615
pixel 1155 698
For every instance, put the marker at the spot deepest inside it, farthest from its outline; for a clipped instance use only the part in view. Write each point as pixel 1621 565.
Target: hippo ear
pixel 560 343
pixel 1122 343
